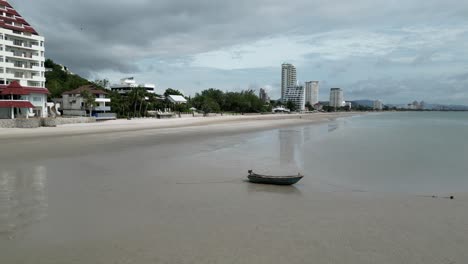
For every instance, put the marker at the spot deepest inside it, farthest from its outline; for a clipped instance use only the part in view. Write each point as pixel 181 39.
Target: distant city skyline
pixel 394 51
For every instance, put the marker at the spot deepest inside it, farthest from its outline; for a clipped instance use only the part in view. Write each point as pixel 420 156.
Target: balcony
pixel 9 54
pixel 38 58
pixel 103 100
pixel 38 78
pixel 8 42
pixel 102 108
pixel 8 75
pixel 38 68
pixel 9 64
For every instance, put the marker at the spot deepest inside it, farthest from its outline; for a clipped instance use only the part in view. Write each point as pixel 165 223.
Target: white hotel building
pixel 295 94
pixel 22 72
pixel 312 92
pixel 336 98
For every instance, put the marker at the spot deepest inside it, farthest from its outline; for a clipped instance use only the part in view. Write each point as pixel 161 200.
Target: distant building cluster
pixel 416 105
pixel 300 95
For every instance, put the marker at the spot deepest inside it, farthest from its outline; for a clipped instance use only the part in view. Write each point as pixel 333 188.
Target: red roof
pixel 4 3
pixel 10 10
pixel 16 104
pixel 16 89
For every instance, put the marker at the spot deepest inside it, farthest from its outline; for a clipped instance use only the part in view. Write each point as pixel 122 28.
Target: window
pixel 37 99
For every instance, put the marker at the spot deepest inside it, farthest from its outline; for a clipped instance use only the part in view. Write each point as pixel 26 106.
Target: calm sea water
pixel 147 196
pixel 396 152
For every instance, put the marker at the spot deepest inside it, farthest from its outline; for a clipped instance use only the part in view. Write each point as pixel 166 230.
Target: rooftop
pixel 90 88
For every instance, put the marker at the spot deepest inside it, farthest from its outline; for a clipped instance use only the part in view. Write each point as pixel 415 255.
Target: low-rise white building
pixel 296 94
pixel 127 85
pixel 73 103
pixel 177 99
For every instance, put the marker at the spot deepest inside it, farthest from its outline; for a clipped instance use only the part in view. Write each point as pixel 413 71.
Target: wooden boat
pixel 276 180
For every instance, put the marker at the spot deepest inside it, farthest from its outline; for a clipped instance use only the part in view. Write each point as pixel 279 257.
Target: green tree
pixel 210 106
pixel 137 98
pixel 309 106
pixel 170 91
pixel 291 106
pixel 89 101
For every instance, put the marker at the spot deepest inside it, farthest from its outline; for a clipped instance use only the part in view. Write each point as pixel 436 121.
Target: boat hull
pixel 275 180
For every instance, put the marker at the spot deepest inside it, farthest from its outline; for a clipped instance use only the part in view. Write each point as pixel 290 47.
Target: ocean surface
pixel 419 152
pixel 147 197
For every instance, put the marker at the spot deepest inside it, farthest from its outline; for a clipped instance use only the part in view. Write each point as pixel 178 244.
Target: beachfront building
pixel 312 92
pixel 21 67
pixel 336 98
pixel 296 94
pixel 177 99
pixel 264 96
pixel 73 104
pixel 127 85
pixel 288 78
pixel 378 105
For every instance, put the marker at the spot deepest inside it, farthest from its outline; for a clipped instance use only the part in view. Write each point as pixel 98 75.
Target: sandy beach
pixel 173 191
pixel 124 125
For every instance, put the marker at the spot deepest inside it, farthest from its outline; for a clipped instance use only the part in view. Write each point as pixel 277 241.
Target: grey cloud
pixel 432 89
pixel 114 34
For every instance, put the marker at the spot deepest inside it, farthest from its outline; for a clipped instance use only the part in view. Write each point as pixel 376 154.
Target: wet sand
pixel 177 195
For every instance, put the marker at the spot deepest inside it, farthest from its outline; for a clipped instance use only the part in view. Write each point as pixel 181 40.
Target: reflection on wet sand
pixel 290 146
pixel 23 199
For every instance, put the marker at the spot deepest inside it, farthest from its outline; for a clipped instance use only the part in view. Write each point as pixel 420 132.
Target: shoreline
pixel 242 122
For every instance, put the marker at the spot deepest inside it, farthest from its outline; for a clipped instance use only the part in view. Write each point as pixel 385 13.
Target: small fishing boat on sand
pixel 276 180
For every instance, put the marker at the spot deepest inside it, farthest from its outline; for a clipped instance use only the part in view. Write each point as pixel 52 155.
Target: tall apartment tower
pixel 288 78
pixel 312 92
pixel 336 97
pixel 21 63
pixel 264 96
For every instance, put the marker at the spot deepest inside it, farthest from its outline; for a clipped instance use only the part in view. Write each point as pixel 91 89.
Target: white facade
pixel 288 78
pixel 127 85
pixel 378 105
pixel 296 94
pixel 336 98
pixel 22 57
pixel 312 92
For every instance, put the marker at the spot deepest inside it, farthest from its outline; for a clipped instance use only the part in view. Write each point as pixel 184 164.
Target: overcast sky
pixel 397 51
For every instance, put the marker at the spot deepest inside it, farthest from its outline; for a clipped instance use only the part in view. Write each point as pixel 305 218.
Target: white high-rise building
pixel 336 97
pixel 296 94
pixel 22 72
pixel 288 78
pixel 312 92
pixel 378 105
